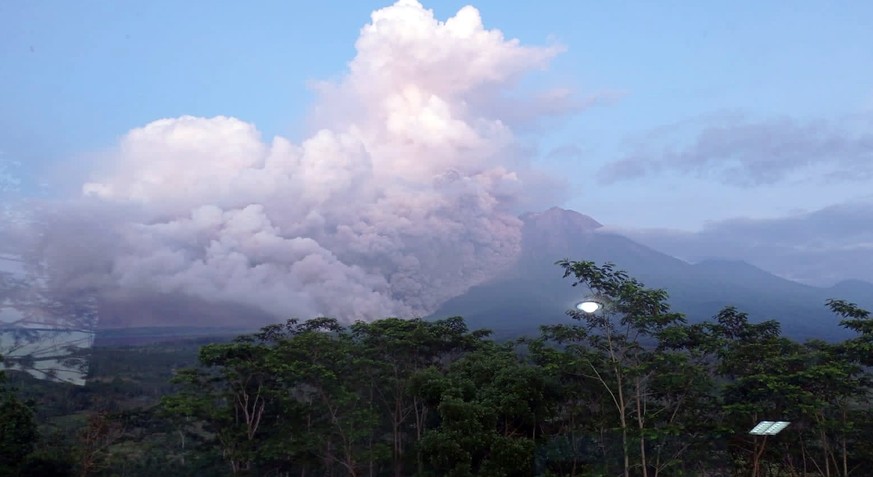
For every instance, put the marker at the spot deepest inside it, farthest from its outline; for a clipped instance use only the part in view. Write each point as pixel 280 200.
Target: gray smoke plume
pixel 407 194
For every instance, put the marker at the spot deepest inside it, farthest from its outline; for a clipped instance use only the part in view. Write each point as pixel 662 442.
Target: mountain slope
pixel 533 293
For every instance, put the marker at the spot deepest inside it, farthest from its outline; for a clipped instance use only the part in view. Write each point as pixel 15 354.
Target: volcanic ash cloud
pixel 405 196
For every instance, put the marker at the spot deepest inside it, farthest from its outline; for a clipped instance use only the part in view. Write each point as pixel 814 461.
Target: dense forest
pixel 632 389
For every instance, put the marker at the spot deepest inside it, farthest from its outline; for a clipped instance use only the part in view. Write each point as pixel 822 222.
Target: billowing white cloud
pixel 407 194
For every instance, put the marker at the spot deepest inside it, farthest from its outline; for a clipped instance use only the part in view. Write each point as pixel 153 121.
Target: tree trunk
pixel 641 423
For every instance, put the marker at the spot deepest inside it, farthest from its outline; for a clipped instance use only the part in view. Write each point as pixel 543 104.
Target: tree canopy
pixel 631 389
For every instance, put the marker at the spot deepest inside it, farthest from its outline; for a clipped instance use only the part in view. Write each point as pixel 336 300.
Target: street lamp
pixel 591 304
pixel 768 428
pixel 764 428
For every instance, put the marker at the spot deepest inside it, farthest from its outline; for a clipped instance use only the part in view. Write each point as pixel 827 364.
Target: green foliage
pixel 489 405
pixel 317 396
pixel 18 432
pixel 632 389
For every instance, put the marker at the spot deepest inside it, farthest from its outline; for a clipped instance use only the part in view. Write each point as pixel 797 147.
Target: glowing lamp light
pixel 588 306
pixel 768 428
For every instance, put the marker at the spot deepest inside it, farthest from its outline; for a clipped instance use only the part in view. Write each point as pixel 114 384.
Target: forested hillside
pixel 631 389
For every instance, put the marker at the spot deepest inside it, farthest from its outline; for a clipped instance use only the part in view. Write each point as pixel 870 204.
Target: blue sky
pixel 701 111
pixel 78 76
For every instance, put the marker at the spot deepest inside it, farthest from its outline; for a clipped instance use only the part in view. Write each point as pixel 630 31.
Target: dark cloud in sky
pixel 742 152
pixel 821 247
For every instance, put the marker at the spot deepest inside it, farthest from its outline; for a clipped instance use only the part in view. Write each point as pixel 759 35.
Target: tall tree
pixel 393 350
pixel 490 405
pixel 18 432
pixel 229 395
pixel 616 352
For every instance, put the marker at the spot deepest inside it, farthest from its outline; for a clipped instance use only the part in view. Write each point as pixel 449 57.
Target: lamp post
pixel 764 428
pixel 589 306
